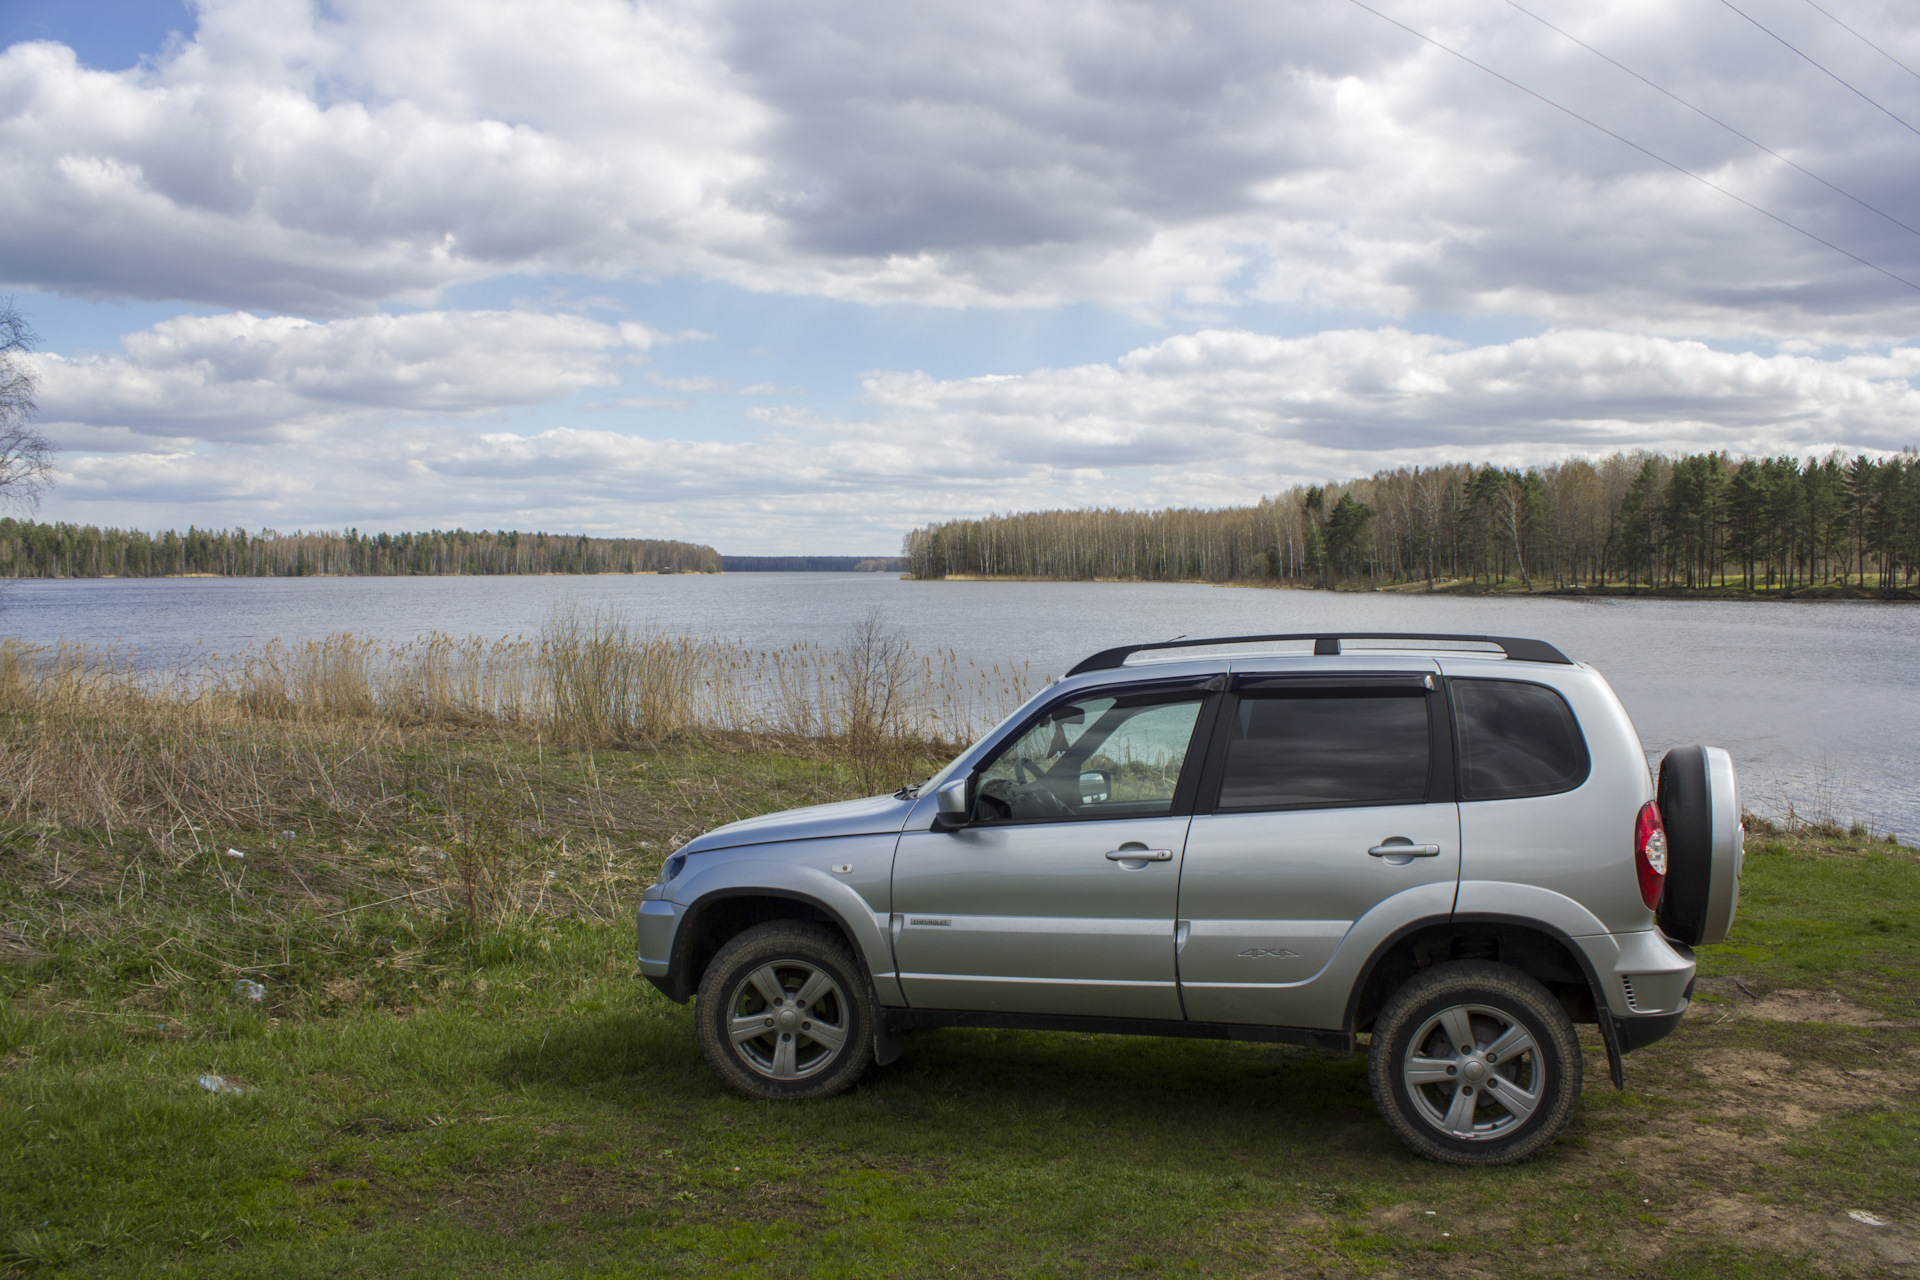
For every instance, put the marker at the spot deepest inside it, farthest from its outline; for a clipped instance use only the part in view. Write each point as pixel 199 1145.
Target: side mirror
pixel 1096 787
pixel 953 799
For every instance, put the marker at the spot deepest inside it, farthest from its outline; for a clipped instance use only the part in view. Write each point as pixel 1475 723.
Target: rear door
pixel 1329 795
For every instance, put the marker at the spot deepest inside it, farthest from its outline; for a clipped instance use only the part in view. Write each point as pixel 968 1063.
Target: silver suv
pixel 1456 852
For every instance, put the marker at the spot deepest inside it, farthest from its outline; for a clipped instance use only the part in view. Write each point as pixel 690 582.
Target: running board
pixel 921 1019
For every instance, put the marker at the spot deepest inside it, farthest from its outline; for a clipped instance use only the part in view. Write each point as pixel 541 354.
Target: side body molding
pixel 858 900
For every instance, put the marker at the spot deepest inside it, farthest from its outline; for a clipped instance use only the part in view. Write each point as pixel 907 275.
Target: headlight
pixel 673 867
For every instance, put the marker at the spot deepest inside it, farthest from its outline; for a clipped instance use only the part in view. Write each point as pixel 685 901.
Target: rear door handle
pixel 1404 849
pixel 1140 855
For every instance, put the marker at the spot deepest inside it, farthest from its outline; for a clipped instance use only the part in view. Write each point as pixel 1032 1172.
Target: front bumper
pixel 658 921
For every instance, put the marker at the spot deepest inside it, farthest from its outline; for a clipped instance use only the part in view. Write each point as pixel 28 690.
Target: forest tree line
pixel 33 550
pixel 1629 520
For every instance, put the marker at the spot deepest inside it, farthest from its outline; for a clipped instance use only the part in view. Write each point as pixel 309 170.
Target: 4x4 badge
pixel 1269 953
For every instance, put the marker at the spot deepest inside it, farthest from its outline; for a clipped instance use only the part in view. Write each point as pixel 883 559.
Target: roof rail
pixel 1328 644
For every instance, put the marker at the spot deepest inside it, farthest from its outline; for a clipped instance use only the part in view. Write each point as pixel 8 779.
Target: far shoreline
pixel 1454 589
pixel 1460 589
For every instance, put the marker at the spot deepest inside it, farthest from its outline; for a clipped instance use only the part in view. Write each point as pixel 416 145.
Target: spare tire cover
pixel 1700 809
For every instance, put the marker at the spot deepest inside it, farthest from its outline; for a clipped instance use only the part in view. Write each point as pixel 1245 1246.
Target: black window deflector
pixel 1399 682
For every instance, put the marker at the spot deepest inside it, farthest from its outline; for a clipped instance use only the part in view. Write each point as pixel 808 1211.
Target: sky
pixel 797 278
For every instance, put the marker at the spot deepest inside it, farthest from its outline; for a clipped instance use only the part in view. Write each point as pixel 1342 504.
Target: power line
pixel 1715 119
pixel 1636 146
pixel 1870 44
pixel 1836 79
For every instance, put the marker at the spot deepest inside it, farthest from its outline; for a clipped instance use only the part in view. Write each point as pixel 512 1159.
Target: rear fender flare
pixel 1608 1032
pixel 1551 912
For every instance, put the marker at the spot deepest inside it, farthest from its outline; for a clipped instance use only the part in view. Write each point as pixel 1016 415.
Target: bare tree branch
pixel 26 455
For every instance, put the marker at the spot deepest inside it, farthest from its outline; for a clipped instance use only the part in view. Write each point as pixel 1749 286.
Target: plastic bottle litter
pixel 222 1084
pixel 1866 1219
pixel 235 853
pixel 248 989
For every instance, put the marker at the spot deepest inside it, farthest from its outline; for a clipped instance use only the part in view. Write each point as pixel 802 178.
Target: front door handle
pixel 1400 847
pixel 1140 854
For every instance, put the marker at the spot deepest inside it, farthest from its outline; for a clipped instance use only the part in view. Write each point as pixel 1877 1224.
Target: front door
pixel 1058 894
pixel 1322 786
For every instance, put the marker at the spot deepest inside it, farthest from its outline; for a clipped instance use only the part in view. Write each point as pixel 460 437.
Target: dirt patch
pixel 1790 1230
pixel 1753 1082
pixel 1740 1108
pixel 1813 1006
pixel 343 990
pixel 1785 1005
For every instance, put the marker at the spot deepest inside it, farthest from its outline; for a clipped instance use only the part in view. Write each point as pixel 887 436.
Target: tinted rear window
pixel 1320 749
pixel 1516 739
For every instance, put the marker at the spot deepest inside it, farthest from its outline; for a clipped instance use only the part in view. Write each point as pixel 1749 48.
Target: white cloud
pixel 1207 418
pixel 687 386
pixel 1163 160
pixel 238 376
pixel 1273 410
pixel 1191 165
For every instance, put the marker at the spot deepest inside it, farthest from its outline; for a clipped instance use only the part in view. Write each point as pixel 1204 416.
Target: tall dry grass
pixel 102 739
pixel 237 816
pixel 589 678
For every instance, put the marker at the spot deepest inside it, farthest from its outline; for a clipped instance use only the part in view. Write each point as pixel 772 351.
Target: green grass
pixel 436 1096
pixel 1825 904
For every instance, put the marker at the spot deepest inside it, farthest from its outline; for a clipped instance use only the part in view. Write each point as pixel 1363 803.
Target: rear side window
pixel 1516 739
pixel 1327 748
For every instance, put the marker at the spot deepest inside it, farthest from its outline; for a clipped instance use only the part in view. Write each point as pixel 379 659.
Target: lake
pixel 1819 702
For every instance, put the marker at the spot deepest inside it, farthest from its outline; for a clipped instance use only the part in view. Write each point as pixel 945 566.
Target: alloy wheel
pixel 1473 1072
pixel 787 1020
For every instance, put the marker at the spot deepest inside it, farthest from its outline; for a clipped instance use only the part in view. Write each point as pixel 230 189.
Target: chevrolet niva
pixel 1457 852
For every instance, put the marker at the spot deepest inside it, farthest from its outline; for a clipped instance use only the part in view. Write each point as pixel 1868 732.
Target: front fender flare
pixel 799 882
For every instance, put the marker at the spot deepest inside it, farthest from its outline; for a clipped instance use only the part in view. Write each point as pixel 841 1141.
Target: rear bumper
pixel 1641 1031
pixel 1642 975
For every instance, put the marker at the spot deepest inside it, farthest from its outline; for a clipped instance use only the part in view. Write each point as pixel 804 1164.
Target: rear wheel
pixel 1474 1063
pixel 785 1011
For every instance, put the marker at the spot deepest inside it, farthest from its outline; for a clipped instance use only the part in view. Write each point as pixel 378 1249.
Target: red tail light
pixel 1650 854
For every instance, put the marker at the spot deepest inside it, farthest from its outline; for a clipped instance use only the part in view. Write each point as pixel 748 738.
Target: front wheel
pixel 784 1011
pixel 1474 1063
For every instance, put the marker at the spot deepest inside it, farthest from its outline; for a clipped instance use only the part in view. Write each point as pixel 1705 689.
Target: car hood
pixel 876 815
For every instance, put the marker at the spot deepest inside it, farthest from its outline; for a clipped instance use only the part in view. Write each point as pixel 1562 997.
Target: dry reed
pixel 98 739
pixel 589 678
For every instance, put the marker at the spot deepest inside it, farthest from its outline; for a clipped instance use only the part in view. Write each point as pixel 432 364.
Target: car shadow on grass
pixel 644 1051
pixel 1167 1095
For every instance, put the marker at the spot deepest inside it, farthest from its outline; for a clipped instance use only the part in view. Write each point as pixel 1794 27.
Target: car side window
pixel 1110 756
pixel 1326 748
pixel 1516 739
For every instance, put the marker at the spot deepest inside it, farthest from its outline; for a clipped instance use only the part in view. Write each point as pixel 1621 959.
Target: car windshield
pixel 927 787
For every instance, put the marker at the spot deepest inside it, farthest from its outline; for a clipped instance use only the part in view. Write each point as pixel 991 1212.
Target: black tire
pixel 1415 1036
pixel 818 1028
pixel 1686 811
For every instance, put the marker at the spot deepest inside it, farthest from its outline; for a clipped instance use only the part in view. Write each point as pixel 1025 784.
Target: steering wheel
pixel 1048 802
pixel 996 808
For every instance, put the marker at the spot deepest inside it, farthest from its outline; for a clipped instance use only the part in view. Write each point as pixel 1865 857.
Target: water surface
pixel 1819 702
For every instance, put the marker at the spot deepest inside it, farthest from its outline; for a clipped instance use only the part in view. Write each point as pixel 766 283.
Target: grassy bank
pixel 453 1069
